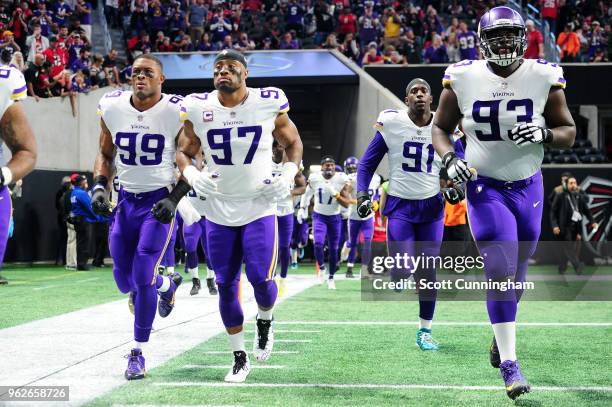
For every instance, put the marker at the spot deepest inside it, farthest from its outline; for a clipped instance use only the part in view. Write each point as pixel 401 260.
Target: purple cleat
pixel 166 299
pixel 136 365
pixel 516 384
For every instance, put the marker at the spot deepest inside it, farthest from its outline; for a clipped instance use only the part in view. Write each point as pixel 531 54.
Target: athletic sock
pixel 505 336
pixel 237 341
pixel 265 315
pixel 425 323
pixel 165 285
pixel 195 273
pixel 170 270
pixel 210 273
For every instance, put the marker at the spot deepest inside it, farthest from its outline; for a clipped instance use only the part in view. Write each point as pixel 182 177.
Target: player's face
pixel 147 78
pixel 418 99
pixel 328 170
pixel 505 40
pixel 229 76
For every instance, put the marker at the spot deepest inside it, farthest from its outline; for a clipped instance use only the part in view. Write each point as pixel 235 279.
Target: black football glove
pixel 456 168
pixel 165 209
pixel 453 195
pixel 99 199
pixel 364 204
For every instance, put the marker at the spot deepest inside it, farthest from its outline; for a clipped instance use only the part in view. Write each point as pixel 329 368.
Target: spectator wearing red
pixel 57 56
pixel 166 46
pixel 549 14
pixel 346 23
pixel 371 56
pixel 535 42
pixel 251 5
pixel 19 27
pixel 569 43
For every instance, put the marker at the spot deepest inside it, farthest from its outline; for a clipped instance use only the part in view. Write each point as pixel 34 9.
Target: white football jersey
pixel 284 206
pixel 296 204
pixel 374 184
pixel 414 165
pixel 12 87
pixel 492 105
pixel 325 203
pixel 145 141
pixel 237 144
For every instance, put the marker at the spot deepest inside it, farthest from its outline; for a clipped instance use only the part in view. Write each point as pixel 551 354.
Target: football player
pixel 235 126
pixel 299 238
pixel 284 214
pixel 137 140
pixel 509 109
pixel 414 205
pixel 331 191
pixel 16 133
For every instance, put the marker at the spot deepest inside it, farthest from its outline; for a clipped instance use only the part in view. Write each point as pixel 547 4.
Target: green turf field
pixel 356 363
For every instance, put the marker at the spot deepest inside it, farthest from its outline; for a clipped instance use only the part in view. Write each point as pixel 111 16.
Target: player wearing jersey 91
pixel 235 126
pixel 414 205
pixel 137 139
pixel 509 108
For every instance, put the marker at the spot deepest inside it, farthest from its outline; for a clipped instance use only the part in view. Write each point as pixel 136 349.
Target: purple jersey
pixel 468 43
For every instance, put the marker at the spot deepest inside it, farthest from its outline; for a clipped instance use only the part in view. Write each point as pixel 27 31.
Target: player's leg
pixel 343 243
pixel 297 227
pixel 210 274
pixel 260 246
pixel 123 238
pixel 5 219
pixel 429 238
pixel 225 252
pixel 354 227
pixel 169 260
pixel 319 230
pixel 334 230
pixel 285 229
pixel 367 230
pixel 191 237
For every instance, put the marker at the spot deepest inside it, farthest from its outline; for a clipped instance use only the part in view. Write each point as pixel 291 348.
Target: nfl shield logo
pixel 232 114
pixel 140 117
pixel 207 116
pixel 419 132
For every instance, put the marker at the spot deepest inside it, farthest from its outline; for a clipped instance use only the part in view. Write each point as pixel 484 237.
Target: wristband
pixel 191 173
pixel 179 191
pixel 289 170
pixel 7 175
pixel 548 138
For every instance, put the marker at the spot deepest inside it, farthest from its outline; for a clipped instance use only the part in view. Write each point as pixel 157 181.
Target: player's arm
pixel 365 171
pixel 343 197
pixel 308 194
pixel 104 170
pixel 287 136
pixel 16 132
pixel 559 120
pixel 299 185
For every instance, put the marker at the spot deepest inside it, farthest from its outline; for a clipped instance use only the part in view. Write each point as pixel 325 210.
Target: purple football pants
pixel 169 259
pixel 355 228
pixel 193 234
pixel 285 230
pixel 415 227
pixel 137 245
pixel 300 234
pixel 6 208
pixel 329 227
pixel 257 244
pixel 505 218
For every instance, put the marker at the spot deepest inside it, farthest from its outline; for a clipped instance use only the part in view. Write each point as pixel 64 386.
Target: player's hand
pixel 276 189
pixel 456 168
pixel 100 203
pixel 453 195
pixel 164 210
pixel 556 230
pixel 529 133
pixel 302 215
pixel 331 189
pixel 364 204
pixel 206 183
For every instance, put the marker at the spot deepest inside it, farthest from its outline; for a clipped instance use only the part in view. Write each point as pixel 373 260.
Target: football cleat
pixel 349 272
pixel 166 299
pixel 424 340
pixel 212 288
pixel 516 384
pixel 331 284
pixel 3 281
pixel 294 266
pixel 300 253
pixel 131 299
pixel 263 342
pixel 241 369
pixel 282 284
pixel 161 270
pixel 136 366
pixel 494 357
pixel 195 288
pixel 344 253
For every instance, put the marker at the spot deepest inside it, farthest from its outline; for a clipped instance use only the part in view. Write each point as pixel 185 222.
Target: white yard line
pixel 85 349
pixel 253 366
pixel 372 386
pixel 44 287
pixel 175 405
pixel 441 323
pixel 227 352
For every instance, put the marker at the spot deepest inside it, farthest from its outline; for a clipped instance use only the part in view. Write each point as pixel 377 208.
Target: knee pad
pixel 228 292
pixel 265 293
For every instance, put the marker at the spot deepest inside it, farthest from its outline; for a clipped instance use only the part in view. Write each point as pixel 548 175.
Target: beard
pixel 232 86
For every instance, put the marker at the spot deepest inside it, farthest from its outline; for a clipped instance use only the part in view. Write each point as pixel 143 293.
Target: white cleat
pixel 321 276
pixel 344 253
pixel 331 284
pixel 263 342
pixel 241 369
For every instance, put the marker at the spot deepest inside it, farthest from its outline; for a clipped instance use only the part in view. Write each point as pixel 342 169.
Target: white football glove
pixel 188 213
pixel 280 187
pixel 456 168
pixel 331 189
pixel 204 183
pixel 302 215
pixel 529 133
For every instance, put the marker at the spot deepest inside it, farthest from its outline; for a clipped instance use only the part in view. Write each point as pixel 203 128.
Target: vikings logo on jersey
pixel 145 141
